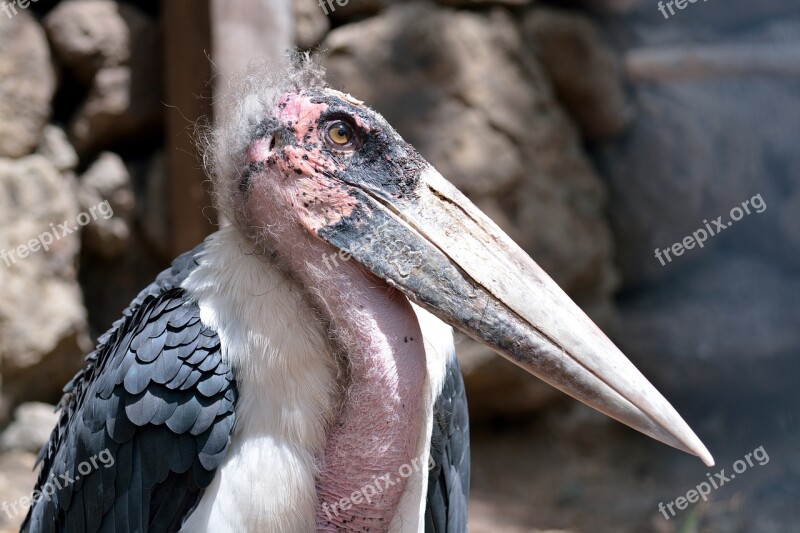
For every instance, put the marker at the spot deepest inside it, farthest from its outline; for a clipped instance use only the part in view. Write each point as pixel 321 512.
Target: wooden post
pixel 231 33
pixel 187 95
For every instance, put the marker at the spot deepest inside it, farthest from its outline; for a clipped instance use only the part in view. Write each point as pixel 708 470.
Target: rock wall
pixel 578 126
pixel 79 89
pixel 714 90
pixel 482 93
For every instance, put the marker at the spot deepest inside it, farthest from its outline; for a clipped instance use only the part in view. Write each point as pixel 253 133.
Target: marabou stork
pixel 293 372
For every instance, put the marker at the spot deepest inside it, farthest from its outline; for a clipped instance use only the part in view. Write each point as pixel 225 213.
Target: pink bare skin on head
pixel 301 165
pixel 372 325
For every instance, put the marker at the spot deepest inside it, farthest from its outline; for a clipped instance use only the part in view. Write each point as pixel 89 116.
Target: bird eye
pixel 341 134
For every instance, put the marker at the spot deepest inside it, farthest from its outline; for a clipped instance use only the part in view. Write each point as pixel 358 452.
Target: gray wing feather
pixel 448 480
pixel 154 402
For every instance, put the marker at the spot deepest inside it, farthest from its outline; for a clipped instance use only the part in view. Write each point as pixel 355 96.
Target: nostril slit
pixel 272 144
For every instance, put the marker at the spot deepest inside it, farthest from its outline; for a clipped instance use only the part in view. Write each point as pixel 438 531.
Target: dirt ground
pixel 573 470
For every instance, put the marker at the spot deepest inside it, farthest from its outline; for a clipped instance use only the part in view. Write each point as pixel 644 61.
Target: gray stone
pixel 27 84
pixel 464 123
pixel 57 149
pixel 115 49
pixel 88 35
pixel 727 329
pixel 122 102
pixel 704 19
pixel 105 192
pixel 130 265
pixel 310 23
pixel 346 10
pixel 43 333
pixel 583 69
pixel 693 155
pixel 612 6
pixel 17 477
pixel 31 428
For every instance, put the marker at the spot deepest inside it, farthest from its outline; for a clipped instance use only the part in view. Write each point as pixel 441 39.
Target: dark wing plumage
pixel 144 425
pixel 448 480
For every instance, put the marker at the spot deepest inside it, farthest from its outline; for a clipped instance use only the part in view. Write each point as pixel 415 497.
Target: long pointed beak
pixel 446 255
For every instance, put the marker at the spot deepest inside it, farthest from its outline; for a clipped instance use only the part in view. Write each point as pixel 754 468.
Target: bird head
pixel 296 160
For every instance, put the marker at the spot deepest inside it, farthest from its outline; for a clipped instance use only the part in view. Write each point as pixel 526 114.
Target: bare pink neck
pixel 372 442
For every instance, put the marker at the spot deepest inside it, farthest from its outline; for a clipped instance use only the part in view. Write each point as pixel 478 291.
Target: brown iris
pixel 341 134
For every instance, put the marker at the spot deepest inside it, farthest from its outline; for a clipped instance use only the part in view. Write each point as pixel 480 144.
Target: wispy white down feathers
pixel 250 98
pixel 287 394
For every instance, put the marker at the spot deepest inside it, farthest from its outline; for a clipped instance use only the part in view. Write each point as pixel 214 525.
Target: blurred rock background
pixel 592 131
